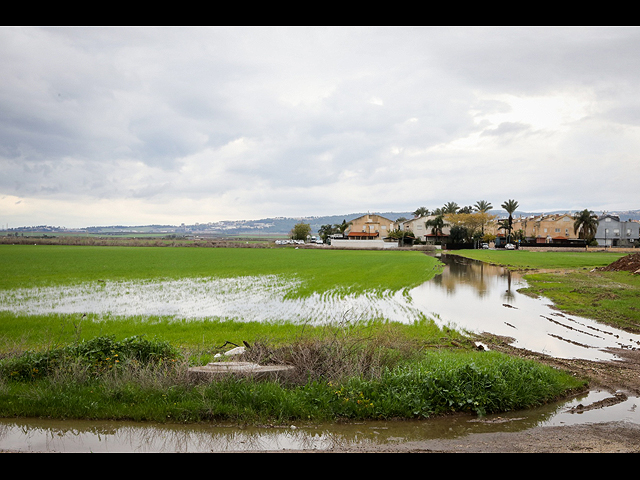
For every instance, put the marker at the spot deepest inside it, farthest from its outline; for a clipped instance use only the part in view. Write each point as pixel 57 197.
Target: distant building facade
pixel 370 227
pixel 613 232
pixel 554 228
pixel 421 231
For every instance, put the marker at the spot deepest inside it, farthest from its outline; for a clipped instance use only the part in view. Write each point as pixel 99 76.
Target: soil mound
pixel 630 263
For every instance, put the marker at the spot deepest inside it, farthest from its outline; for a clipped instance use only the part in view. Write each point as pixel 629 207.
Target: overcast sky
pixel 134 126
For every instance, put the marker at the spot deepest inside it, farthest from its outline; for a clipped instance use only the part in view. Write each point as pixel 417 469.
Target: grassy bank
pixel 337 377
pixel 573 285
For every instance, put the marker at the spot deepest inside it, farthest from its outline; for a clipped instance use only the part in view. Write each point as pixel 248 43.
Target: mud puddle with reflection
pixel 478 297
pixel 71 436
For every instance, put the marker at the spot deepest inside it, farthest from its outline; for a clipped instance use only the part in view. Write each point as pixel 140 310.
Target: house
pixel 553 228
pixel 420 230
pixel 370 227
pixel 369 231
pixel 415 225
pixel 615 233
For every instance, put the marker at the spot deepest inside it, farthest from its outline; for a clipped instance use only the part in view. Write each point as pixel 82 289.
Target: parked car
pixel 485 246
pixel 510 246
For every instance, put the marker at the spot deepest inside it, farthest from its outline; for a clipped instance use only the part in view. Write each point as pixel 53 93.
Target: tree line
pixel 467 224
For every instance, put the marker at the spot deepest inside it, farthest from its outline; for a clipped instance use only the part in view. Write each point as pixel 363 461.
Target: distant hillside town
pixel 448 225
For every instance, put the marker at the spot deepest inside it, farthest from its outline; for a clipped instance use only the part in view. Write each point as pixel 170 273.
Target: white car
pixel 510 246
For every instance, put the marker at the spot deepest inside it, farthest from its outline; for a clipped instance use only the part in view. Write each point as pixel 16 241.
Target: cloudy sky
pixel 134 126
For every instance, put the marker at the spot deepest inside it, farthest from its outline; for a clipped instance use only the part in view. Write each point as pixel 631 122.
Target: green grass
pixel 30 266
pixel 46 331
pixel 439 383
pixel 320 270
pixel 612 298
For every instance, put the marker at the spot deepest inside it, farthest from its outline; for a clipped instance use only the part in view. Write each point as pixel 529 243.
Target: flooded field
pixel 468 295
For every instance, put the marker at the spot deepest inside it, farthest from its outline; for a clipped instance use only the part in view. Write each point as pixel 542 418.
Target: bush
pixel 95 356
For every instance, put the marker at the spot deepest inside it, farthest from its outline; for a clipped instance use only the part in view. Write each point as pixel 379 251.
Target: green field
pixel 62 366
pixel 319 270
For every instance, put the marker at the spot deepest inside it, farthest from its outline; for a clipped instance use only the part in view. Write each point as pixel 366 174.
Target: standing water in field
pixel 468 295
pixel 478 297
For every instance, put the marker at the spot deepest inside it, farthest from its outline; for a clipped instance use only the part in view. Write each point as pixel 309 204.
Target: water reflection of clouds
pixel 258 298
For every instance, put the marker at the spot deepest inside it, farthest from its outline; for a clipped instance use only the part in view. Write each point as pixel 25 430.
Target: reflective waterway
pixel 34 435
pixel 478 297
pixel 468 295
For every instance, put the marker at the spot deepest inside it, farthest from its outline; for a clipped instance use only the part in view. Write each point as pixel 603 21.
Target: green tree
pixel 436 225
pixel 300 231
pixel 459 234
pixel 421 212
pixel 450 207
pixel 482 206
pixel 342 227
pixel 585 222
pixel 510 206
pixel 325 231
pixel 405 237
pixel 504 225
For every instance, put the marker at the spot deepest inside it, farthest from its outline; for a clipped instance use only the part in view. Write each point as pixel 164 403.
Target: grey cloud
pixel 114 113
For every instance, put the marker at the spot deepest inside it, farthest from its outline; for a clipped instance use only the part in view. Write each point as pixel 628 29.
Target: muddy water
pixel 92 436
pixel 468 295
pixel 478 297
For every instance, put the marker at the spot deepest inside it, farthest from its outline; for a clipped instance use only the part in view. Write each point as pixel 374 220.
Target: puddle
pixel 478 297
pixel 256 298
pixel 34 435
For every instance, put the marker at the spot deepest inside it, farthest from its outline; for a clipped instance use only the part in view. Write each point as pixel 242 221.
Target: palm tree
pixel 587 223
pixel 450 207
pixel 436 224
pixel 483 206
pixel 342 227
pixel 510 206
pixel 421 212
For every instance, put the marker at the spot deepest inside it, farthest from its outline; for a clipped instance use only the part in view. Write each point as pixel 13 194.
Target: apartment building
pixel 546 228
pixel 613 232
